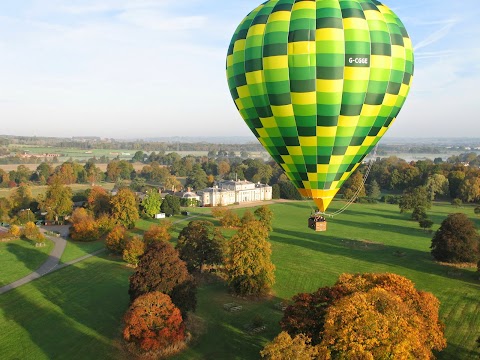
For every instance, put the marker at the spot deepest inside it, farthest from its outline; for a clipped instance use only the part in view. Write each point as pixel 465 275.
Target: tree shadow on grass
pixel 453 351
pixel 228 335
pixel 29 256
pixel 375 253
pixel 74 313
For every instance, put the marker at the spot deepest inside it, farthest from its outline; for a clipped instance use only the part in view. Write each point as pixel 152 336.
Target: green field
pixel 19 258
pixel 40 189
pixel 82 304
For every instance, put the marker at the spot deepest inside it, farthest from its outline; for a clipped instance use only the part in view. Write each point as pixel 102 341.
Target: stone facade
pixel 229 192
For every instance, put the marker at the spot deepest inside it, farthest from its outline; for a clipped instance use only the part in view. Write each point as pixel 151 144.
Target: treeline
pixel 456 178
pixel 91 143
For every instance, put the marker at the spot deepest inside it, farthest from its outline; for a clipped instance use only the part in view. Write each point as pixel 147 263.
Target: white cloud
pixel 438 34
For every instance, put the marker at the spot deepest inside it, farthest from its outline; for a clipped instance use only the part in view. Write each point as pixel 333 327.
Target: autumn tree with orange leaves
pixel 158 233
pixel 368 316
pixel 84 227
pixel 153 322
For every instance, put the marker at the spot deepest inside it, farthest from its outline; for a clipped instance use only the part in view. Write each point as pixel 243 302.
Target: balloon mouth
pixel 322 198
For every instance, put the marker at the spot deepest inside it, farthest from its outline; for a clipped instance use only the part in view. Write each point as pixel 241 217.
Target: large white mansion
pixel 229 192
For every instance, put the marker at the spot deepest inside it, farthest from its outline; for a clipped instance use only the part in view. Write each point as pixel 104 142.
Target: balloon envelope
pixel 319 83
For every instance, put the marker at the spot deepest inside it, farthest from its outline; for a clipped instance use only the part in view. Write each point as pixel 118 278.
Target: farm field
pixel 83 304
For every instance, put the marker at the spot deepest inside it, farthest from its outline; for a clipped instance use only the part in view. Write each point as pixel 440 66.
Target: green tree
pixel 250 270
pixel 413 198
pixel 425 223
pixel 200 243
pixel 437 184
pixel 374 190
pixel 456 240
pixel 477 210
pixel 457 202
pixel 58 201
pixel 469 190
pixel 152 202
pixel 124 208
pixel 170 205
pixel 197 178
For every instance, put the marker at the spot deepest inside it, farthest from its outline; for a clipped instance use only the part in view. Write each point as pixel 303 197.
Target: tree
pixel 457 202
pixel 98 200
pixel 284 347
pixel 469 190
pixel 376 324
pixel 456 240
pixel 158 233
pixel 159 269
pixel 153 322
pixel 230 219
pixel 370 315
pixel 477 210
pixel 413 198
pixel 374 190
pixel 92 172
pixel 152 202
pixel 21 197
pixel 437 184
pixel 425 223
pixel 134 248
pixel 124 208
pixel 354 186
pixel 265 216
pixel 419 213
pixel 15 231
pixel 117 239
pixel 200 244
pixel 58 201
pixel 250 270
pixel 84 227
pixel 31 232
pixel 170 205
pixel 197 179
pixel 247 217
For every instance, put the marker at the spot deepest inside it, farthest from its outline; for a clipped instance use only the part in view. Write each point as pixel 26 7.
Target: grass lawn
pixel 83 304
pixel 19 258
pixel 77 249
pixel 74 313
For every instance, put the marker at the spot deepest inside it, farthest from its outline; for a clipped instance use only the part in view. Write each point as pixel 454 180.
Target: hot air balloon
pixel 319 82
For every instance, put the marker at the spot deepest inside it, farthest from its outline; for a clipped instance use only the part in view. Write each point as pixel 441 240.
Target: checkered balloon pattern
pixel 319 82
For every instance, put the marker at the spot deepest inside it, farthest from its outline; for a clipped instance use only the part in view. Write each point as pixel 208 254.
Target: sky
pixel 156 68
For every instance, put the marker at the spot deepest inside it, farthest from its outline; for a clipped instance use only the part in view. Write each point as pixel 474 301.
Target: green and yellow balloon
pixel 319 82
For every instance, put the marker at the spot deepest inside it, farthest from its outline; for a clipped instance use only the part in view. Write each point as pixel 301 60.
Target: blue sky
pixel 154 68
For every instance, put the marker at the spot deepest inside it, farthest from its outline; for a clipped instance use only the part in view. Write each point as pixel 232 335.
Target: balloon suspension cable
pixel 360 188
